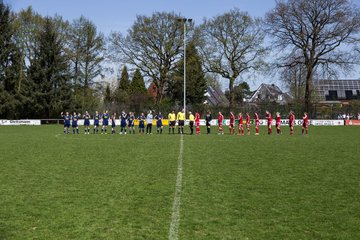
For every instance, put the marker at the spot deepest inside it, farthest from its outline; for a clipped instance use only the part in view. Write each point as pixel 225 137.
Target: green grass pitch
pixel 56 186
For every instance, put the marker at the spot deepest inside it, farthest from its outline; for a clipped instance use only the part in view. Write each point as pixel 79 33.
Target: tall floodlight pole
pixel 184 21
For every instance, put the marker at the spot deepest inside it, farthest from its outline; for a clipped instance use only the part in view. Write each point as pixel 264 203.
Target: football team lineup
pixel 128 121
pixel 179 186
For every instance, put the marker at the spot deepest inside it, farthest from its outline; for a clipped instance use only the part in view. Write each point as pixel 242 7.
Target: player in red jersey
pixel 305 125
pixel 278 123
pixel 248 123
pixel 291 122
pixel 257 123
pixel 197 123
pixel 269 122
pixel 232 123
pixel 220 123
pixel 241 127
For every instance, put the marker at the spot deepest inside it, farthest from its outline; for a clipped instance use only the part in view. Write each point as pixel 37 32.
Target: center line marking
pixel 175 216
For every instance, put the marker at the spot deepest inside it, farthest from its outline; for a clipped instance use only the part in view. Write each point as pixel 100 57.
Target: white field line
pixel 175 216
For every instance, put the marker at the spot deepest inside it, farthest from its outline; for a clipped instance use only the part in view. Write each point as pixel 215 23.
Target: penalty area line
pixel 175 216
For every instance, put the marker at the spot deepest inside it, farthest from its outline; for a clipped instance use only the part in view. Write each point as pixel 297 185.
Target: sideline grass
pixel 234 187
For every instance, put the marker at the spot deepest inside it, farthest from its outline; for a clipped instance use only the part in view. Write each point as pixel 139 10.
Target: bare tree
pixel 231 44
pixel 294 77
pixel 318 32
pixel 153 44
pixel 86 51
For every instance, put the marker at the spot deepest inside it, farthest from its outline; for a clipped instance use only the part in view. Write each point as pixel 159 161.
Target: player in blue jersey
pixel 96 122
pixel 159 123
pixel 74 124
pixel 113 120
pixel 141 119
pixel 87 122
pixel 67 119
pixel 131 120
pixel 123 119
pixel 105 123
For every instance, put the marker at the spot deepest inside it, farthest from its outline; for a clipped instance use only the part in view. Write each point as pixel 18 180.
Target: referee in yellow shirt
pixel 172 121
pixel 191 122
pixel 181 121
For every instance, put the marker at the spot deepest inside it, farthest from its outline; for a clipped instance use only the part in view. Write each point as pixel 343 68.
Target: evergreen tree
pixel 122 93
pixel 138 98
pixel 107 97
pixel 195 78
pixel 49 74
pixel 137 84
pixel 10 66
pixel 241 91
pixel 124 83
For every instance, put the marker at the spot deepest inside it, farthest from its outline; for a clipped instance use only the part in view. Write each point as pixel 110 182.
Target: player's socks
pixel 161 130
pixel 73 131
pixel 77 131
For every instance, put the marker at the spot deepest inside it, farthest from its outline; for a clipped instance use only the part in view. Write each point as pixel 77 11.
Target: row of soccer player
pixel 268 116
pixel 127 121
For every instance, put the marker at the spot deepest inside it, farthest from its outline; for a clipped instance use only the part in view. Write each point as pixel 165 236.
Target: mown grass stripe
pixel 175 217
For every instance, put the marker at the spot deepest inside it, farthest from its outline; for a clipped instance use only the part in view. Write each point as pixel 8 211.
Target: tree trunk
pixel 231 92
pixel 307 100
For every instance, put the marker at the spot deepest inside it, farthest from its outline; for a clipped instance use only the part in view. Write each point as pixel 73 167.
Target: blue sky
pixel 118 15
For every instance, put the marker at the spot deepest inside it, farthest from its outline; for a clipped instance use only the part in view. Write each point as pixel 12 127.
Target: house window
pixel 332 95
pixel 349 94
